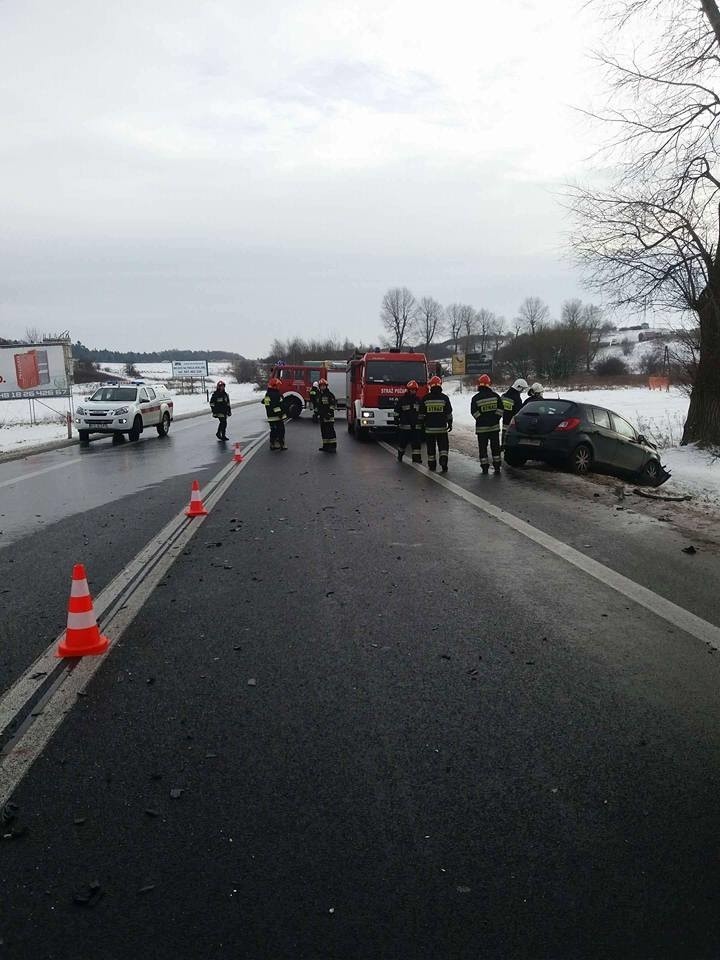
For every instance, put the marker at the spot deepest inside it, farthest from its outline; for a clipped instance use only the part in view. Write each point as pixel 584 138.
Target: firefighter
pixel 512 401
pixel 221 410
pixel 272 401
pixel 313 394
pixel 407 409
pixel 487 409
pixel 326 413
pixel 535 392
pixel 436 420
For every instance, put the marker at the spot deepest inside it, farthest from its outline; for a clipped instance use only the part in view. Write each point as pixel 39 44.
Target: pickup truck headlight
pixel 80 411
pixel 119 410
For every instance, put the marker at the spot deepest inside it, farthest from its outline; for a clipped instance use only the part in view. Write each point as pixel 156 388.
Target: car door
pixel 630 454
pixel 602 435
pixel 145 412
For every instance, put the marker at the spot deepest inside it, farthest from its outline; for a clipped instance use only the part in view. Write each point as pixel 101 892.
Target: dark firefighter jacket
pixel 407 410
pixel 487 408
pixel 272 402
pixel 326 403
pixel 220 403
pixel 435 412
pixel 511 401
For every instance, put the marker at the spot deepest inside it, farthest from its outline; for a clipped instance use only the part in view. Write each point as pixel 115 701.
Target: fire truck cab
pixel 296 381
pixel 374 382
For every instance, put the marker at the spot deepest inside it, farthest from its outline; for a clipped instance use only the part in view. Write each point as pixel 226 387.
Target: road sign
pixel 35 370
pixel 477 363
pixel 458 365
pixel 189 368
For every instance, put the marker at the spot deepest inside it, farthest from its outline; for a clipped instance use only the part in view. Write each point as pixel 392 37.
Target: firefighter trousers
pixel 221 432
pixel 277 434
pixel 327 432
pixel 442 442
pixel 494 439
pixel 412 436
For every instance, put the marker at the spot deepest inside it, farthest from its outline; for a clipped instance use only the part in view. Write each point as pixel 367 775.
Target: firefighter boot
pixel 486 469
pixel 443 464
pixel 496 466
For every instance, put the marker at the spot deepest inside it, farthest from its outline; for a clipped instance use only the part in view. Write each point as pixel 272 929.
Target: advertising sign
pixel 477 363
pixel 34 370
pixel 189 368
pixel 458 365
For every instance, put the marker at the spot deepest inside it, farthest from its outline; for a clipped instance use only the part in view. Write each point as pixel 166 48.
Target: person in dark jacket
pixel 436 419
pixel 313 395
pixel 535 392
pixel 512 401
pixel 221 410
pixel 407 410
pixel 327 405
pixel 272 401
pixel 487 409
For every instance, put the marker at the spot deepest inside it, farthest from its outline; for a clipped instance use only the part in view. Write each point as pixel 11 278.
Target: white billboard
pixel 34 370
pixel 189 368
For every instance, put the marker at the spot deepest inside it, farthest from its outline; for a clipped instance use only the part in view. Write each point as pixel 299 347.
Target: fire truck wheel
pixel 293 408
pixel 361 433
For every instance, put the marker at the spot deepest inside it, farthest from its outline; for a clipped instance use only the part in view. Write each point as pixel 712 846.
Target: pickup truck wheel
pixel 164 426
pixel 84 436
pixel 293 408
pixel 135 430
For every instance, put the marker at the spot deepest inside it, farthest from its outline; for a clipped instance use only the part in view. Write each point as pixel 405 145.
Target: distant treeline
pixel 81 352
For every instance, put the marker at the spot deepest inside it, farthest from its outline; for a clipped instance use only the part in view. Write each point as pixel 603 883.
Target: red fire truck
pixel 296 381
pixel 374 382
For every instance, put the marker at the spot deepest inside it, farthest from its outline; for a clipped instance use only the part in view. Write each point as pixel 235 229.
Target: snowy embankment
pixel 657 414
pixel 18 433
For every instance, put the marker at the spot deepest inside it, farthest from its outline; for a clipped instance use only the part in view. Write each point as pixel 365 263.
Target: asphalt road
pixel 360 717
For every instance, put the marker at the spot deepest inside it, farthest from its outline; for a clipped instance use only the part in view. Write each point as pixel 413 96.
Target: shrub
pixel 611 367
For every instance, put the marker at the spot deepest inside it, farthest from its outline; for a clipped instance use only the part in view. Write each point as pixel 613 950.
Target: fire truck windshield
pixel 395 371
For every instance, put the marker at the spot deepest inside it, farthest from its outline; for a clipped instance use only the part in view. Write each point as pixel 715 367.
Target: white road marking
pixel 666 609
pixel 116 607
pixel 39 473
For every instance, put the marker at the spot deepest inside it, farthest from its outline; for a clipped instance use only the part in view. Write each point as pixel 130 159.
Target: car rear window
pixel 550 407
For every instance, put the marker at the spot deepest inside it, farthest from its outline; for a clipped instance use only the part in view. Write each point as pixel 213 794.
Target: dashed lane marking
pixel 656 604
pixel 116 607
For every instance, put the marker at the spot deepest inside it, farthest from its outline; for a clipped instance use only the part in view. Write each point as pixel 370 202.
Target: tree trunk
pixel 710 9
pixel 703 420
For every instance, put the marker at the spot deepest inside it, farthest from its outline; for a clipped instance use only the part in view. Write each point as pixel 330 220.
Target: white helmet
pixel 315 383
pixel 536 388
pixel 520 385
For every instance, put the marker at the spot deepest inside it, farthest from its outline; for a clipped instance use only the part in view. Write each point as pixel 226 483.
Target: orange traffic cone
pixel 82 636
pixel 197 507
pixel 237 457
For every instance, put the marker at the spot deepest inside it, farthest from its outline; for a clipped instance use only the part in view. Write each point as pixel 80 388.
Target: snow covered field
pixel 657 414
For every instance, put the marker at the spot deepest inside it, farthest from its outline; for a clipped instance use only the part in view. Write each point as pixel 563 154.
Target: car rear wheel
pixel 515 459
pixel 84 436
pixel 652 473
pixel 164 426
pixel 581 459
pixel 136 429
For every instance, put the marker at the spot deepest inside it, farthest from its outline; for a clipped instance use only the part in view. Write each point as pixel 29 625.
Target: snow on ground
pixel 16 431
pixel 658 414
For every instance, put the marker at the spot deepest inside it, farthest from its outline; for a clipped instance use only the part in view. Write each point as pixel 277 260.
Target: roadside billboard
pixel 458 365
pixel 189 368
pixel 477 363
pixel 34 370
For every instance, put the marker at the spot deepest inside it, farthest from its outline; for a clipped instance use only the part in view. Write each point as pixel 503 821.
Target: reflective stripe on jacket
pixel 435 412
pixel 407 410
pixel 272 401
pixel 487 409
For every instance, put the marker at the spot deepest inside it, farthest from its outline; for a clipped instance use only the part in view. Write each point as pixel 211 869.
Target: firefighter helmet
pixel 434 382
pixel 412 385
pixel 520 385
pixel 220 383
pixel 315 383
pixel 274 383
pixel 322 382
pixel 536 388
pixel 484 380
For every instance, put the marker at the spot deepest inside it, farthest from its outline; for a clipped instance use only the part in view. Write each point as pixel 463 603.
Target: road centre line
pixel 656 604
pixel 116 607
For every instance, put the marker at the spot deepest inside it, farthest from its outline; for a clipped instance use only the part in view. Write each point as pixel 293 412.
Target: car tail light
pixel 572 423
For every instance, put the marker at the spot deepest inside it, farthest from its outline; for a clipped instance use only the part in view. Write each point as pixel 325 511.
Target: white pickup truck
pixel 120 409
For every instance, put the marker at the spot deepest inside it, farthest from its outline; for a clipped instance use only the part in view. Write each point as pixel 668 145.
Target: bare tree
pixel 497 333
pixel 429 316
pixel 454 316
pixel 593 327
pixel 571 313
pixel 485 324
pixel 653 237
pixel 532 315
pixel 396 314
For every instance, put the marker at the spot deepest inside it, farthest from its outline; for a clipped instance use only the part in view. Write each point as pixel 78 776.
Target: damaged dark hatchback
pixel 583 437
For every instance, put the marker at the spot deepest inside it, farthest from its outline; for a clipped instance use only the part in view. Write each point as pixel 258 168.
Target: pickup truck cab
pixel 119 409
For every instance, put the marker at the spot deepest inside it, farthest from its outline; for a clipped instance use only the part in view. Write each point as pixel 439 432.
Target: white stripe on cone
pixel 79 588
pixel 81 621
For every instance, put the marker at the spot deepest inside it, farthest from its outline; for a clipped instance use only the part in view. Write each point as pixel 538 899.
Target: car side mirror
pixel 640 438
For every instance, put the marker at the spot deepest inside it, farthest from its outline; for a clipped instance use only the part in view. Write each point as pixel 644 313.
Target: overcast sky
pixel 216 174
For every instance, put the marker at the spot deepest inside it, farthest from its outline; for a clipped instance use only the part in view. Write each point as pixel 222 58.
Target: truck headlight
pixel 120 410
pixel 368 414
pixel 80 411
